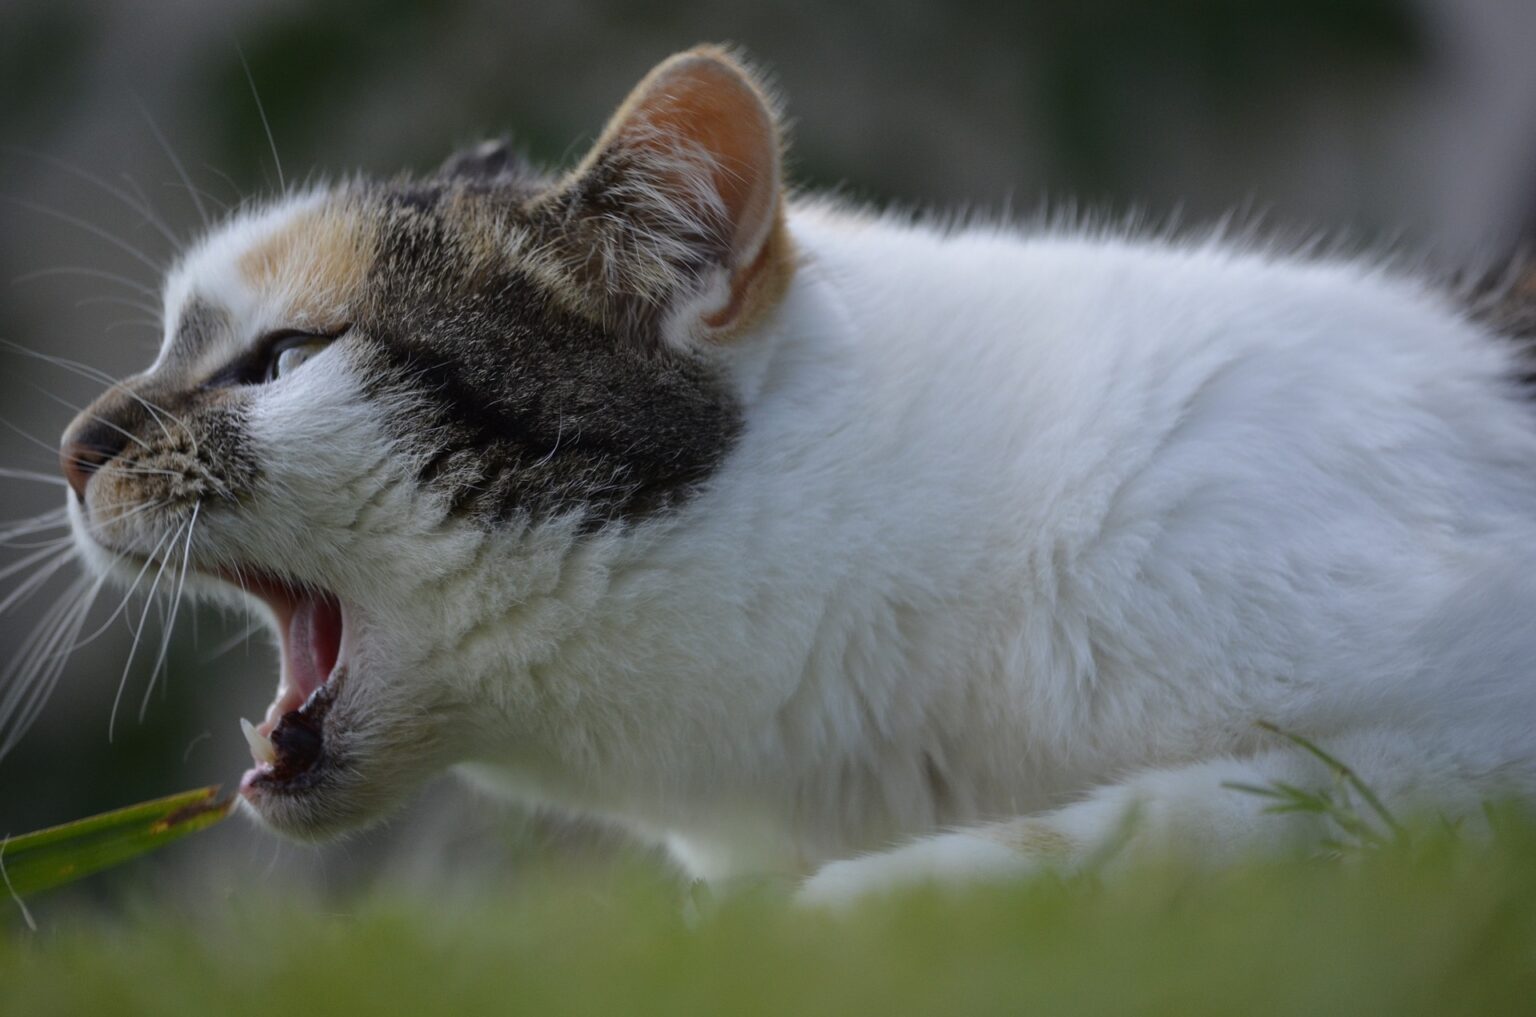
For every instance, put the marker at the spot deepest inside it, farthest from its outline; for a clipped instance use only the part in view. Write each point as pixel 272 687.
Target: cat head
pixel 382 410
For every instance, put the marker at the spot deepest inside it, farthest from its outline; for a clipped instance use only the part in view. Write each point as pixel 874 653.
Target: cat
pixel 815 542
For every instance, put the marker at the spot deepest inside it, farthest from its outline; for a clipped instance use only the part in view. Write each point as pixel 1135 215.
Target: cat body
pixel 789 535
pixel 1012 518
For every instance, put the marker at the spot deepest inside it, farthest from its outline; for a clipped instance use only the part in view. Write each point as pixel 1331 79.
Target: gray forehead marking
pixel 518 407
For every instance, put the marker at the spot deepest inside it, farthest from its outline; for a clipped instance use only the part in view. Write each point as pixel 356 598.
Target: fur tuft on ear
pixel 491 161
pixel 671 229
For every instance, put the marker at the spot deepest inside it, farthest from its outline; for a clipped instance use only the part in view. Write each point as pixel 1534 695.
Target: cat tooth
pixel 261 746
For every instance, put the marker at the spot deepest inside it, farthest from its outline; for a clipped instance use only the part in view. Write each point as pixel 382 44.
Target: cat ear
pixel 672 226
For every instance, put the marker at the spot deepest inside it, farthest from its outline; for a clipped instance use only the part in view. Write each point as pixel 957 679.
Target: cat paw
pixel 949 860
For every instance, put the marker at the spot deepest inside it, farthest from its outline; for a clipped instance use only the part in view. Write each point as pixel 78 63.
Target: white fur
pixel 1018 518
pixel 1019 526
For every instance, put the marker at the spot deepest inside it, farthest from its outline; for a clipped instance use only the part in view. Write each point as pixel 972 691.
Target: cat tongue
pixel 311 643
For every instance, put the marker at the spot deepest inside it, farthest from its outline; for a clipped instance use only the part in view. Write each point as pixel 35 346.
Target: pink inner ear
pixel 707 104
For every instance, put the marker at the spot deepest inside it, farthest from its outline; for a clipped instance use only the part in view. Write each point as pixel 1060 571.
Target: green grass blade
pixel 62 854
pixel 1344 773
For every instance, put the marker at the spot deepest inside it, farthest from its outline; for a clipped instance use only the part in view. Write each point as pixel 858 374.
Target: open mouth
pixel 288 745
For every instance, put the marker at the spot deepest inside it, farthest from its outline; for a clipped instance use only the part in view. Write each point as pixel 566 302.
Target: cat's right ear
pixel 672 227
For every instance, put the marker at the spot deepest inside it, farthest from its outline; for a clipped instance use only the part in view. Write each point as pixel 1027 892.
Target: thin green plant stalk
pixel 1340 809
pixel 44 859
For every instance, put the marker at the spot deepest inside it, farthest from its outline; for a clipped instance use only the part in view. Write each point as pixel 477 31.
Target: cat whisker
pixel 137 305
pixel 132 470
pixel 170 623
pixel 252 627
pixel 31 545
pixel 53 451
pixel 138 204
pixel 28 560
pixel 138 191
pixel 138 632
pixel 32 475
pixel 87 273
pixel 145 323
pixel 56 553
pixel 251 624
pixel 170 153
pixel 265 123
pixel 56 654
pixel 34 671
pixel 95 374
pixel 94 416
pixel 235 188
pixel 93 522
pixel 89 227
pixel 127 597
pixel 51 520
pixel 34 582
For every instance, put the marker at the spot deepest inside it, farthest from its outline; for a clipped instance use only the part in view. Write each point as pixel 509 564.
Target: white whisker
pixel 94 416
pixel 41 478
pixel 33 545
pixel 170 623
pixel 187 752
pixel 34 582
pixel 27 560
pixel 152 324
pixel 51 520
pixel 138 204
pixel 127 596
pixel 47 678
pixel 90 228
pixel 116 301
pixel 26 682
pixel 94 523
pixel 138 633
pixel 95 374
pixel 89 273
pixel 265 123
pixel 170 153
pixel 244 636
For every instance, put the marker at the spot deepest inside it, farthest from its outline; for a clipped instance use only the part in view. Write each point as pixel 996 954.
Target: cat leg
pixel 1195 813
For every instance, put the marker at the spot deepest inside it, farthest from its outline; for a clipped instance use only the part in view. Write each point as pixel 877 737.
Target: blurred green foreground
pixel 1441 926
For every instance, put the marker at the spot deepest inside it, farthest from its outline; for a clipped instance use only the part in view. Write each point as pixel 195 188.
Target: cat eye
pixel 282 353
pixel 291 355
pixel 272 356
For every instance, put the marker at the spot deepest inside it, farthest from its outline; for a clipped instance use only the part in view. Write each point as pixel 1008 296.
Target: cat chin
pixel 321 807
pixel 353 779
pixel 337 798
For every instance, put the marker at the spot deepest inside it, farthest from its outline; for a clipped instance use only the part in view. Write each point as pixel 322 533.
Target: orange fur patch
pixel 317 263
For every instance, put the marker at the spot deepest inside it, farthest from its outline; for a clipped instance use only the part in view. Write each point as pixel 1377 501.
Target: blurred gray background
pixel 1402 121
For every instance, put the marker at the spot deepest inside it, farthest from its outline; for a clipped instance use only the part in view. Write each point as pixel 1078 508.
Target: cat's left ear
pixel 672 227
pixel 492 161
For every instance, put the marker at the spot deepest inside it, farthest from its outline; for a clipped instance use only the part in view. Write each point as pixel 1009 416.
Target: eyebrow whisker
pixel 181 171
pixel 265 123
pixel 90 273
pixel 139 204
pixel 89 227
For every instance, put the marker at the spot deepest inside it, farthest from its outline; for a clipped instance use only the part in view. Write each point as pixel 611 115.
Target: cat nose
pixel 87 448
